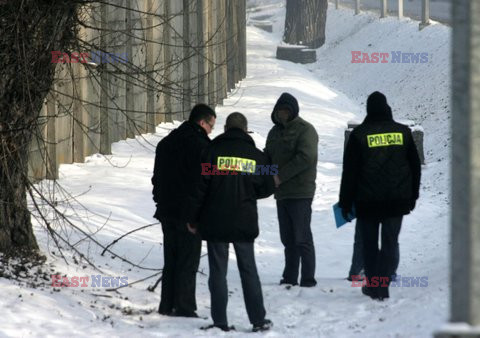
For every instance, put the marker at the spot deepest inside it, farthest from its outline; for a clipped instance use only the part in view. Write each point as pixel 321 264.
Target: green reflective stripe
pixel 236 164
pixel 385 140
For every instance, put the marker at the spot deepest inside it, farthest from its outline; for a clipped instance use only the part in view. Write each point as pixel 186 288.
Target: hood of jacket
pixel 286 101
pixel 378 108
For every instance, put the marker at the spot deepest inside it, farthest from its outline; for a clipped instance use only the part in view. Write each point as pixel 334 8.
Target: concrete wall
pixel 179 53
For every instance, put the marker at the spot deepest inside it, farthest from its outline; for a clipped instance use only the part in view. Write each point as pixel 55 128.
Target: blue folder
pixel 337 212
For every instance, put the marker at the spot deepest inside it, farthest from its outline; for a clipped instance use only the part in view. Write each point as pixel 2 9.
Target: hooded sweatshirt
pixel 293 146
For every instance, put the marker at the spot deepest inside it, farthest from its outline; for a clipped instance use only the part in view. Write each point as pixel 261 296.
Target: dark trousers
pixel 217 281
pixel 357 257
pixel 380 262
pixel 294 216
pixel 181 251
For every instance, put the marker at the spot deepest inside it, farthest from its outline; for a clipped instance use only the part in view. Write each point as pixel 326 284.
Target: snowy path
pixel 122 193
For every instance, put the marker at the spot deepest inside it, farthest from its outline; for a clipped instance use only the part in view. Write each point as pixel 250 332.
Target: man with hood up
pixel 292 144
pixel 381 178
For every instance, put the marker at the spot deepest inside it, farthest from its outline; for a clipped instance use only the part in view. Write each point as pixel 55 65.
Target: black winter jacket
pixel 225 204
pixel 177 170
pixel 381 168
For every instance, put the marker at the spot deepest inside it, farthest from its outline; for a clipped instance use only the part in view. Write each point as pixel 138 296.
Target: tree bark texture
pixel 305 22
pixel 29 31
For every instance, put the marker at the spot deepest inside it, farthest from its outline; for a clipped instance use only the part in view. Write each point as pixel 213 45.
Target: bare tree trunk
pixel 29 31
pixel 305 22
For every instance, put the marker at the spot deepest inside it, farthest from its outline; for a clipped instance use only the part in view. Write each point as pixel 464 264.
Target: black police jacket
pixel 225 203
pixel 381 169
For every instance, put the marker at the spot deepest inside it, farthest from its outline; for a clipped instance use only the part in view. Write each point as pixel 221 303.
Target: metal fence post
pixel 383 12
pixel 425 14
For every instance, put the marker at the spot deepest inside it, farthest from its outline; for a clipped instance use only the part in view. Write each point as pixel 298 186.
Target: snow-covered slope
pixel 330 93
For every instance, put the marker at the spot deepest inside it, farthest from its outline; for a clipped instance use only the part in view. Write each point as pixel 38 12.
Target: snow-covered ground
pixel 116 191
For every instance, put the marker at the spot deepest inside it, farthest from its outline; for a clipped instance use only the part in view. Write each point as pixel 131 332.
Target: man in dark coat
pixel 225 209
pixel 177 170
pixel 381 178
pixel 292 144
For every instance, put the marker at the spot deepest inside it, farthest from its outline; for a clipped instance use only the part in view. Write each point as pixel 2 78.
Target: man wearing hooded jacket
pixel 381 178
pixel 292 144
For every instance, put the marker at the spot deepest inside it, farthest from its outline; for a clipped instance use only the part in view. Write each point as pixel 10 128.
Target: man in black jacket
pixel 381 178
pixel 225 209
pixel 177 170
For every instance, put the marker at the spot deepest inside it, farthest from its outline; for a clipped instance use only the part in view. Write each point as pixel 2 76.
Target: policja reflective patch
pixel 236 164
pixel 385 140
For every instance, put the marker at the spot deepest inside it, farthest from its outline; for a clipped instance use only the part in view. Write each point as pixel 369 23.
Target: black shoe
pixel 164 312
pixel 361 276
pixel 308 284
pixel 263 326
pixel 284 281
pixel 190 314
pixel 382 293
pixel 371 292
pixel 225 328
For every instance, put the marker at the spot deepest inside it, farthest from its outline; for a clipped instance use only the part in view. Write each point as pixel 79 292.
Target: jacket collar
pixel 235 134
pixel 194 127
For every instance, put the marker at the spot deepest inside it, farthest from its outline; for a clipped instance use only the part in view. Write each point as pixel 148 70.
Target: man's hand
pixel 345 214
pixel 192 228
pixel 277 181
pixel 412 205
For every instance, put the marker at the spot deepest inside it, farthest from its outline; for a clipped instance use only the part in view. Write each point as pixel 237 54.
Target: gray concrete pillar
pixel 51 158
pixel 129 87
pixel 167 57
pixel 383 8
pixel 465 219
pixel 188 58
pixel 79 128
pixel 149 66
pixel 105 118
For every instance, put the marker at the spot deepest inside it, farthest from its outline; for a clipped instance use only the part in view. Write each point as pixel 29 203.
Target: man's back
pixel 177 167
pixel 230 188
pixel 381 167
